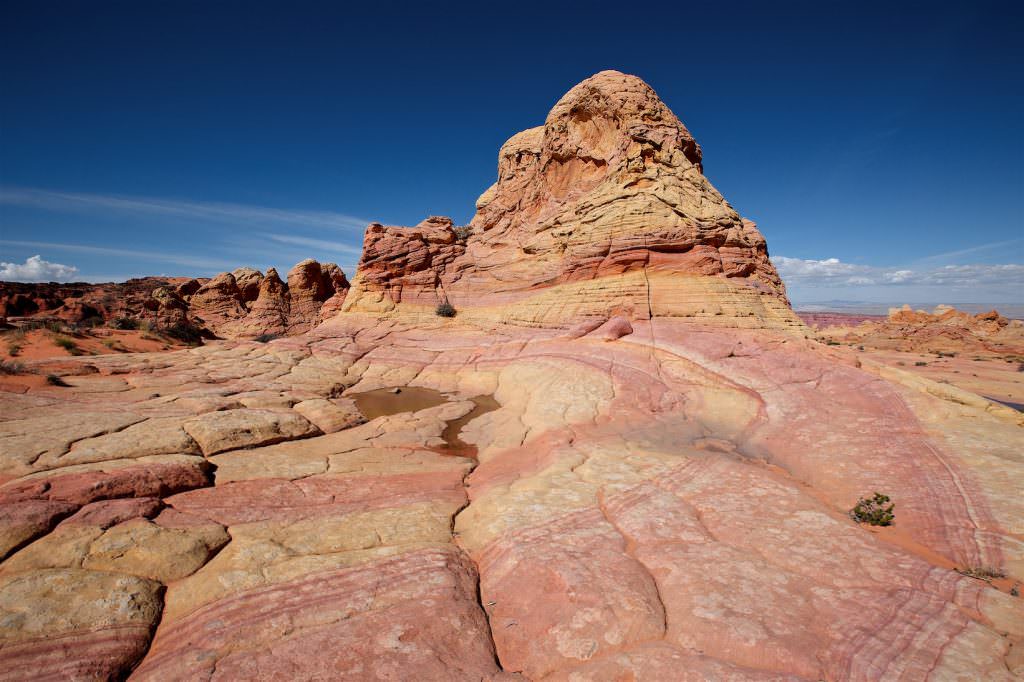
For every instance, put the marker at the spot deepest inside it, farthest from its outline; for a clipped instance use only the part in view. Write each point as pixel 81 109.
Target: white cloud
pixel 197 210
pixel 35 269
pixel 153 256
pixel 832 272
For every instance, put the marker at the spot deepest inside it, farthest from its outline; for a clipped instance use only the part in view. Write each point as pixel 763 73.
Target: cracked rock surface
pixel 661 492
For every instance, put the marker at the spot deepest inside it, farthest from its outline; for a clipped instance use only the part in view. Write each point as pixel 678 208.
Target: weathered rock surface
pixel 980 353
pixel 657 495
pixel 602 211
pixel 241 303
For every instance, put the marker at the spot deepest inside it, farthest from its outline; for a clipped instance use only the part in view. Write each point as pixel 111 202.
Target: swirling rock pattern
pixel 661 493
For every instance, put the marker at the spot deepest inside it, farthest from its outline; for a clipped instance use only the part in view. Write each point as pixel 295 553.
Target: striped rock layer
pixel 604 210
pixel 656 495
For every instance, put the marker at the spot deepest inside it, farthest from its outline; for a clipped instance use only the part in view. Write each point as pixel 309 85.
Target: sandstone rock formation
pixel 603 210
pixel 661 491
pixel 241 303
pixel 945 329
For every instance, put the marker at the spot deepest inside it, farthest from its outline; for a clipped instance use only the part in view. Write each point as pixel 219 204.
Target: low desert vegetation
pixel 445 309
pixel 67 344
pixel 123 323
pixel 985 573
pixel 11 367
pixel 265 338
pixel 876 510
pixel 185 332
pixel 920 363
pixel 55 380
pixel 13 349
pixel 462 232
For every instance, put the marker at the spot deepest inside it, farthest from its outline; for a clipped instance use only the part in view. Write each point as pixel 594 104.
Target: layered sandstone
pixel 603 210
pixel 650 495
pixel 241 303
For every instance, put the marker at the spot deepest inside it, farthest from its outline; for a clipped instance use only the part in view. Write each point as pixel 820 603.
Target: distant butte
pixel 654 478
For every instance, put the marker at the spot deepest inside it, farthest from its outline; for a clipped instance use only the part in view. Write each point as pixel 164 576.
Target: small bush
pixel 123 323
pixel 13 349
pixel 67 344
pixel 185 332
pixel 445 309
pixel 55 380
pixel 982 573
pixel 462 232
pixel 9 367
pixel 875 510
pixel 264 338
pixel 920 363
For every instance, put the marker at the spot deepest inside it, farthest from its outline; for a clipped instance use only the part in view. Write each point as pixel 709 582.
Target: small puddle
pixel 383 402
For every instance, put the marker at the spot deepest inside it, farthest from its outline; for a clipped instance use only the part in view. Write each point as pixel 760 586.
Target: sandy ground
pixel 26 348
pixel 41 344
pixel 992 375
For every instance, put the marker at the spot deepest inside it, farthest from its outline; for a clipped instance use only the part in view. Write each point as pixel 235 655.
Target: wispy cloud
pixel 35 269
pixel 197 210
pixel 832 272
pixel 981 248
pixel 152 256
pixel 322 244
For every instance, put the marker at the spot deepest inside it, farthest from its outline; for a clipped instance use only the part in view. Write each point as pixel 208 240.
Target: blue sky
pixel 879 148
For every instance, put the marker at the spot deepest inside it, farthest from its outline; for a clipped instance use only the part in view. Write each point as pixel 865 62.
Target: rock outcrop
pixel 657 483
pixel 944 330
pixel 603 210
pixel 241 303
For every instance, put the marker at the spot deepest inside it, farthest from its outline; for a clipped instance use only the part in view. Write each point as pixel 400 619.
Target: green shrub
pixel 123 323
pixel 55 380
pixel 67 344
pixel 13 349
pixel 185 332
pixel 10 367
pixel 264 338
pixel 462 232
pixel 875 510
pixel 445 309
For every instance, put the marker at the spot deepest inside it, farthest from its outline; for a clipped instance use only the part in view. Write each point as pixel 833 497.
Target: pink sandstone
pixel 661 492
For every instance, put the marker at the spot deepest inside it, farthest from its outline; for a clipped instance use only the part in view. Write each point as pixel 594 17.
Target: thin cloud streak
pixel 322 244
pixel 155 256
pixel 963 252
pixel 214 211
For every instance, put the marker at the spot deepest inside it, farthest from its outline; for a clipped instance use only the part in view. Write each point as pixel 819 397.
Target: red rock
pixel 217 302
pixel 24 520
pixel 566 232
pixel 107 513
pixel 145 479
pixel 248 281
pixel 374 621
